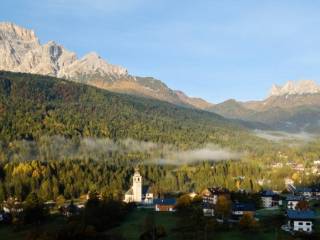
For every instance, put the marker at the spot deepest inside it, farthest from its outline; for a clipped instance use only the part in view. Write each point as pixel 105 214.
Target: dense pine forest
pixel 60 138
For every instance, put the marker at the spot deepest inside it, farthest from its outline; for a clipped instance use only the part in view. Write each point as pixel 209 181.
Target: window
pixel 308 223
pixel 300 223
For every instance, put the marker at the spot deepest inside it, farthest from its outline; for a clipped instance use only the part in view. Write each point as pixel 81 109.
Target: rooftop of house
pixel 296 214
pixel 145 190
pixel 216 190
pixel 243 207
pixel 294 198
pixel 268 193
pixel 165 201
pixel 304 189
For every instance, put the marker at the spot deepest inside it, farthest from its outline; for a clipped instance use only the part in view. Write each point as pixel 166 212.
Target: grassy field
pixel 134 223
pixel 133 226
pixel 20 233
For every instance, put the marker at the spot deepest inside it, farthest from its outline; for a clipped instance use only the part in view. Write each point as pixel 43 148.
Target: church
pixel 138 193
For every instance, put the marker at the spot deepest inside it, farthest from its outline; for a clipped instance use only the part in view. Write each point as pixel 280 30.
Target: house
pixel 70 210
pixel 1 216
pixel 239 209
pixel 293 200
pixel 269 199
pixel 208 210
pixel 138 193
pixel 300 221
pixel 12 206
pixel 192 195
pixel 316 192
pixel 5 217
pixel 165 205
pixel 304 191
pixel 210 197
pixel 50 204
pixel 316 162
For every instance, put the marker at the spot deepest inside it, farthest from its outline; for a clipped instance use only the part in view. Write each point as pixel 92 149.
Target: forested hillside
pixel 60 138
pixel 32 106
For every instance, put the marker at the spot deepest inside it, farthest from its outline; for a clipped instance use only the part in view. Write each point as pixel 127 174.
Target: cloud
pixel 279 136
pixel 60 148
pixel 209 153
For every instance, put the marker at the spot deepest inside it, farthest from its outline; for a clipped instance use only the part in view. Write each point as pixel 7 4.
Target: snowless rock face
pixel 91 64
pixel 21 51
pixel 15 42
pixel 299 87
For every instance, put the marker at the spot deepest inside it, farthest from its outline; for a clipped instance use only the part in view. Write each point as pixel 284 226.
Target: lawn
pixel 19 233
pixel 133 225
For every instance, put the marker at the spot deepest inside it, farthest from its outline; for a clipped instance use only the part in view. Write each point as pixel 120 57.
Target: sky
pixel 208 48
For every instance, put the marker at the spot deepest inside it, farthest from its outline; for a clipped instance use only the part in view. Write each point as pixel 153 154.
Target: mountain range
pixel 21 51
pixel 295 106
pixel 292 107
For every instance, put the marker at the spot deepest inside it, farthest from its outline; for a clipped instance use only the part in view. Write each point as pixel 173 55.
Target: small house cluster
pixel 300 218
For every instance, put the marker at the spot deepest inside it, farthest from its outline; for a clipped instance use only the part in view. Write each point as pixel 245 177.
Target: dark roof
pixel 304 189
pixel 296 214
pixel 315 189
pixel 268 193
pixel 294 198
pixel 145 190
pixel 165 201
pixel 217 190
pixel 243 207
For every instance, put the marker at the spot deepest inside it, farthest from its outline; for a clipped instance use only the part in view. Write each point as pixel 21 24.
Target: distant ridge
pixel 295 87
pixel 292 107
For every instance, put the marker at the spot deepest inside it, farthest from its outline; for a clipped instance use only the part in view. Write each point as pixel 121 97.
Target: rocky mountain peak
pixel 93 64
pixel 21 51
pixel 11 31
pixel 295 87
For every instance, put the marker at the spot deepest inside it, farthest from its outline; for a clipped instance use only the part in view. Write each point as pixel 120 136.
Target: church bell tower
pixel 137 186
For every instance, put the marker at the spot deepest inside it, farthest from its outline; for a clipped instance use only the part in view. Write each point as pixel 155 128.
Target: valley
pixel 90 151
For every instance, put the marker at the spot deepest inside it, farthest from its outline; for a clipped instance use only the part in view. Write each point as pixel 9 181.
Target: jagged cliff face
pixel 21 51
pixel 292 88
pixel 15 42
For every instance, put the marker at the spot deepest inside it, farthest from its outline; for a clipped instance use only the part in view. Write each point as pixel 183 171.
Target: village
pixel 299 206
pixel 295 204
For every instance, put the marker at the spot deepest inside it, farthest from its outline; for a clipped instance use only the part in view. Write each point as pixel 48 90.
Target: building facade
pixel 165 205
pixel 269 199
pixel 138 193
pixel 292 201
pixel 300 221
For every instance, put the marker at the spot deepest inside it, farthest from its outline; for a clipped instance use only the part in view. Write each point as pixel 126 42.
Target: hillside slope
pixel 34 105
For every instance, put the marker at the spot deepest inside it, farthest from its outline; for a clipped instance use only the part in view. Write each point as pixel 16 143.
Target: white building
pixel 300 221
pixel 293 200
pixel 138 193
pixel 269 199
pixel 210 197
